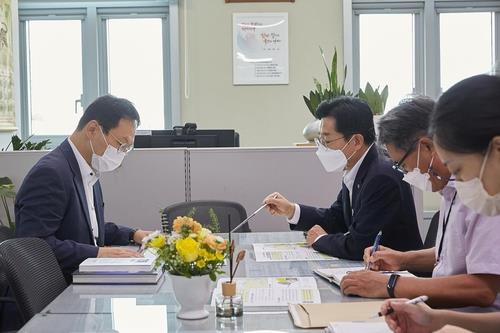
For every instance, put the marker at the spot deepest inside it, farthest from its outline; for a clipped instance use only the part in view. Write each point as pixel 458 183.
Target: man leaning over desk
pixel 373 195
pixel 61 200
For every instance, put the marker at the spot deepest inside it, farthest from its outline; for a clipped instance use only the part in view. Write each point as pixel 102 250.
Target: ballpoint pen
pixel 252 215
pixel 375 246
pixel 419 299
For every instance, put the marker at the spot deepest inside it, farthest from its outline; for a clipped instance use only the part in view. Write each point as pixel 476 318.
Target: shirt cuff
pixel 296 215
pixel 318 238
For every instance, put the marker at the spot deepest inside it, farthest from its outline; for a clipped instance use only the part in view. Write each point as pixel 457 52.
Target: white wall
pixel 263 115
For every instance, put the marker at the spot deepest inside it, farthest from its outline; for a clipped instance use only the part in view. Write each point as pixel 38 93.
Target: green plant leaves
pixel 334 88
pixel 18 144
pixel 374 98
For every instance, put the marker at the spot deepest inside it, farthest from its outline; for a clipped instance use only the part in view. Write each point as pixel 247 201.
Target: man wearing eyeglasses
pixel 464 260
pixel 61 200
pixel 373 196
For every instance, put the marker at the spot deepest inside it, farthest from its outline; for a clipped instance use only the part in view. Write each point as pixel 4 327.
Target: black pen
pixel 419 299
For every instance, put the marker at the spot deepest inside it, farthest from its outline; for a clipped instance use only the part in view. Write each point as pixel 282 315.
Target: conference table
pixel 152 308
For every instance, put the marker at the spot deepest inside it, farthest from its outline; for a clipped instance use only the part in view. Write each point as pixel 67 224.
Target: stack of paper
pixel 275 291
pixel 287 252
pixel 357 326
pixel 117 271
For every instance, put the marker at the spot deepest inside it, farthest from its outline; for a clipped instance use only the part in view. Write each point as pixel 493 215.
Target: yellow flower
pixel 219 256
pixel 158 242
pixel 200 263
pixel 188 249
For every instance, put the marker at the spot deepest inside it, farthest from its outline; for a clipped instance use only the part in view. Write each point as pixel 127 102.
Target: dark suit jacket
pixel 381 200
pixel 51 205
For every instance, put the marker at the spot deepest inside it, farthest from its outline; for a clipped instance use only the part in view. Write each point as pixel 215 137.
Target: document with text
pixel 287 252
pixel 274 291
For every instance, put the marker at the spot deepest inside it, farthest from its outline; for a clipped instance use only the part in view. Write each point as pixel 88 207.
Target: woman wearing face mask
pixel 463 262
pixel 466 129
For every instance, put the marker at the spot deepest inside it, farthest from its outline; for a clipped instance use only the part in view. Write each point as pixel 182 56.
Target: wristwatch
pixel 131 235
pixel 392 284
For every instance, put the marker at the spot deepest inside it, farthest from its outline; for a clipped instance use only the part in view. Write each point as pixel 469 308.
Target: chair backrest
pixel 5 233
pixel 222 210
pixel 430 238
pixel 34 275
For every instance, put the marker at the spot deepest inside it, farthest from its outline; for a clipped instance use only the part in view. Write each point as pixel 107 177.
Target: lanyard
pixel 445 224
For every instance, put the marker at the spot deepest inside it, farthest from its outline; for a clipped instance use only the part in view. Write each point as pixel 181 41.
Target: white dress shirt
pixel 89 178
pixel 348 179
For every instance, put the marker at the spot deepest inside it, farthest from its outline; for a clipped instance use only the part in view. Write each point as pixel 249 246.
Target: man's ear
pixel 427 144
pixel 359 141
pixel 495 147
pixel 91 129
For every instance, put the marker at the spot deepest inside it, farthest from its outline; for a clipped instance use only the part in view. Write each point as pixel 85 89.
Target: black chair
pixel 5 233
pixel 34 275
pixel 430 238
pixel 201 209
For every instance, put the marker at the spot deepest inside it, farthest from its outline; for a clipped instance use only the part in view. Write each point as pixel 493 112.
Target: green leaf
pixel 16 143
pixel 324 63
pixel 333 77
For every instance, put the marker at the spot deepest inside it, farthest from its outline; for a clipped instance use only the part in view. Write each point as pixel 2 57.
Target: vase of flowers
pixel 193 257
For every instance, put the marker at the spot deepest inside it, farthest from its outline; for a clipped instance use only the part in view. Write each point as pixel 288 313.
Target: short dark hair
pixel 406 123
pixel 352 116
pixel 467 116
pixel 108 110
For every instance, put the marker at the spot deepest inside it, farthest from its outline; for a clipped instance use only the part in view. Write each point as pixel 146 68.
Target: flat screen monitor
pixel 198 139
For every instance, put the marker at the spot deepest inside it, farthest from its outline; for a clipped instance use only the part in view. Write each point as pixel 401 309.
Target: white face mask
pixel 417 178
pixel 332 159
pixel 110 160
pixel 473 195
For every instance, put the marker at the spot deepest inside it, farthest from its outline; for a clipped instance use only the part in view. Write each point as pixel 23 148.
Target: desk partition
pixel 151 179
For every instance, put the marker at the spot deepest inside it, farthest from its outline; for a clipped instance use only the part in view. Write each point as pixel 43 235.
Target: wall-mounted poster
pixel 7 114
pixel 260 48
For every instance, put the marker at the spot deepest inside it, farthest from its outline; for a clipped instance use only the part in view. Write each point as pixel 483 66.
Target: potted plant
pixel 375 98
pixel 18 144
pixel 193 257
pixel 334 88
pixel 7 193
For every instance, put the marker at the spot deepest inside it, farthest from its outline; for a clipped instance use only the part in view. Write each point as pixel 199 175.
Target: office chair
pixel 34 275
pixel 430 238
pixel 5 233
pixel 201 214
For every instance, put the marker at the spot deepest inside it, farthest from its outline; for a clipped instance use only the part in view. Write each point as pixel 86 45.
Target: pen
pixel 419 299
pixel 252 215
pixel 375 246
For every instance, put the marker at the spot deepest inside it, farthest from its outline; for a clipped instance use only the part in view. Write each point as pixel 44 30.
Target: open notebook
pixel 319 315
pixel 335 275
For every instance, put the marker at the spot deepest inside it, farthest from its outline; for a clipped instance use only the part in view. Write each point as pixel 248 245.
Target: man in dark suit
pixel 61 200
pixel 373 197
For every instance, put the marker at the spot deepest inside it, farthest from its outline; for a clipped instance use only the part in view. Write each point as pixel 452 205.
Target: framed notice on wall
pixel 7 114
pixel 260 48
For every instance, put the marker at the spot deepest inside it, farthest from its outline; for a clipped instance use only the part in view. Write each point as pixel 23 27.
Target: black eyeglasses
pixel 398 165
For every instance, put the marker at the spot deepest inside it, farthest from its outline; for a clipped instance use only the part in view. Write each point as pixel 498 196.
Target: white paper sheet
pixel 275 291
pixel 287 252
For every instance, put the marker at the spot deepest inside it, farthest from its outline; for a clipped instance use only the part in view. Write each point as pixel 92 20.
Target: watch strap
pixel 391 284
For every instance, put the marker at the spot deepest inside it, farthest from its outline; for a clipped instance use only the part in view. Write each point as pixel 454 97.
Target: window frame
pixel 94 55
pixel 427 35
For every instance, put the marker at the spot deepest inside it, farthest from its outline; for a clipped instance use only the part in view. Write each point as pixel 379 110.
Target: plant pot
pixel 376 119
pixel 311 131
pixel 192 294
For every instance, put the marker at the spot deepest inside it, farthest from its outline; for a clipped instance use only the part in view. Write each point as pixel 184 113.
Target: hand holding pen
pixel 389 305
pixel 375 247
